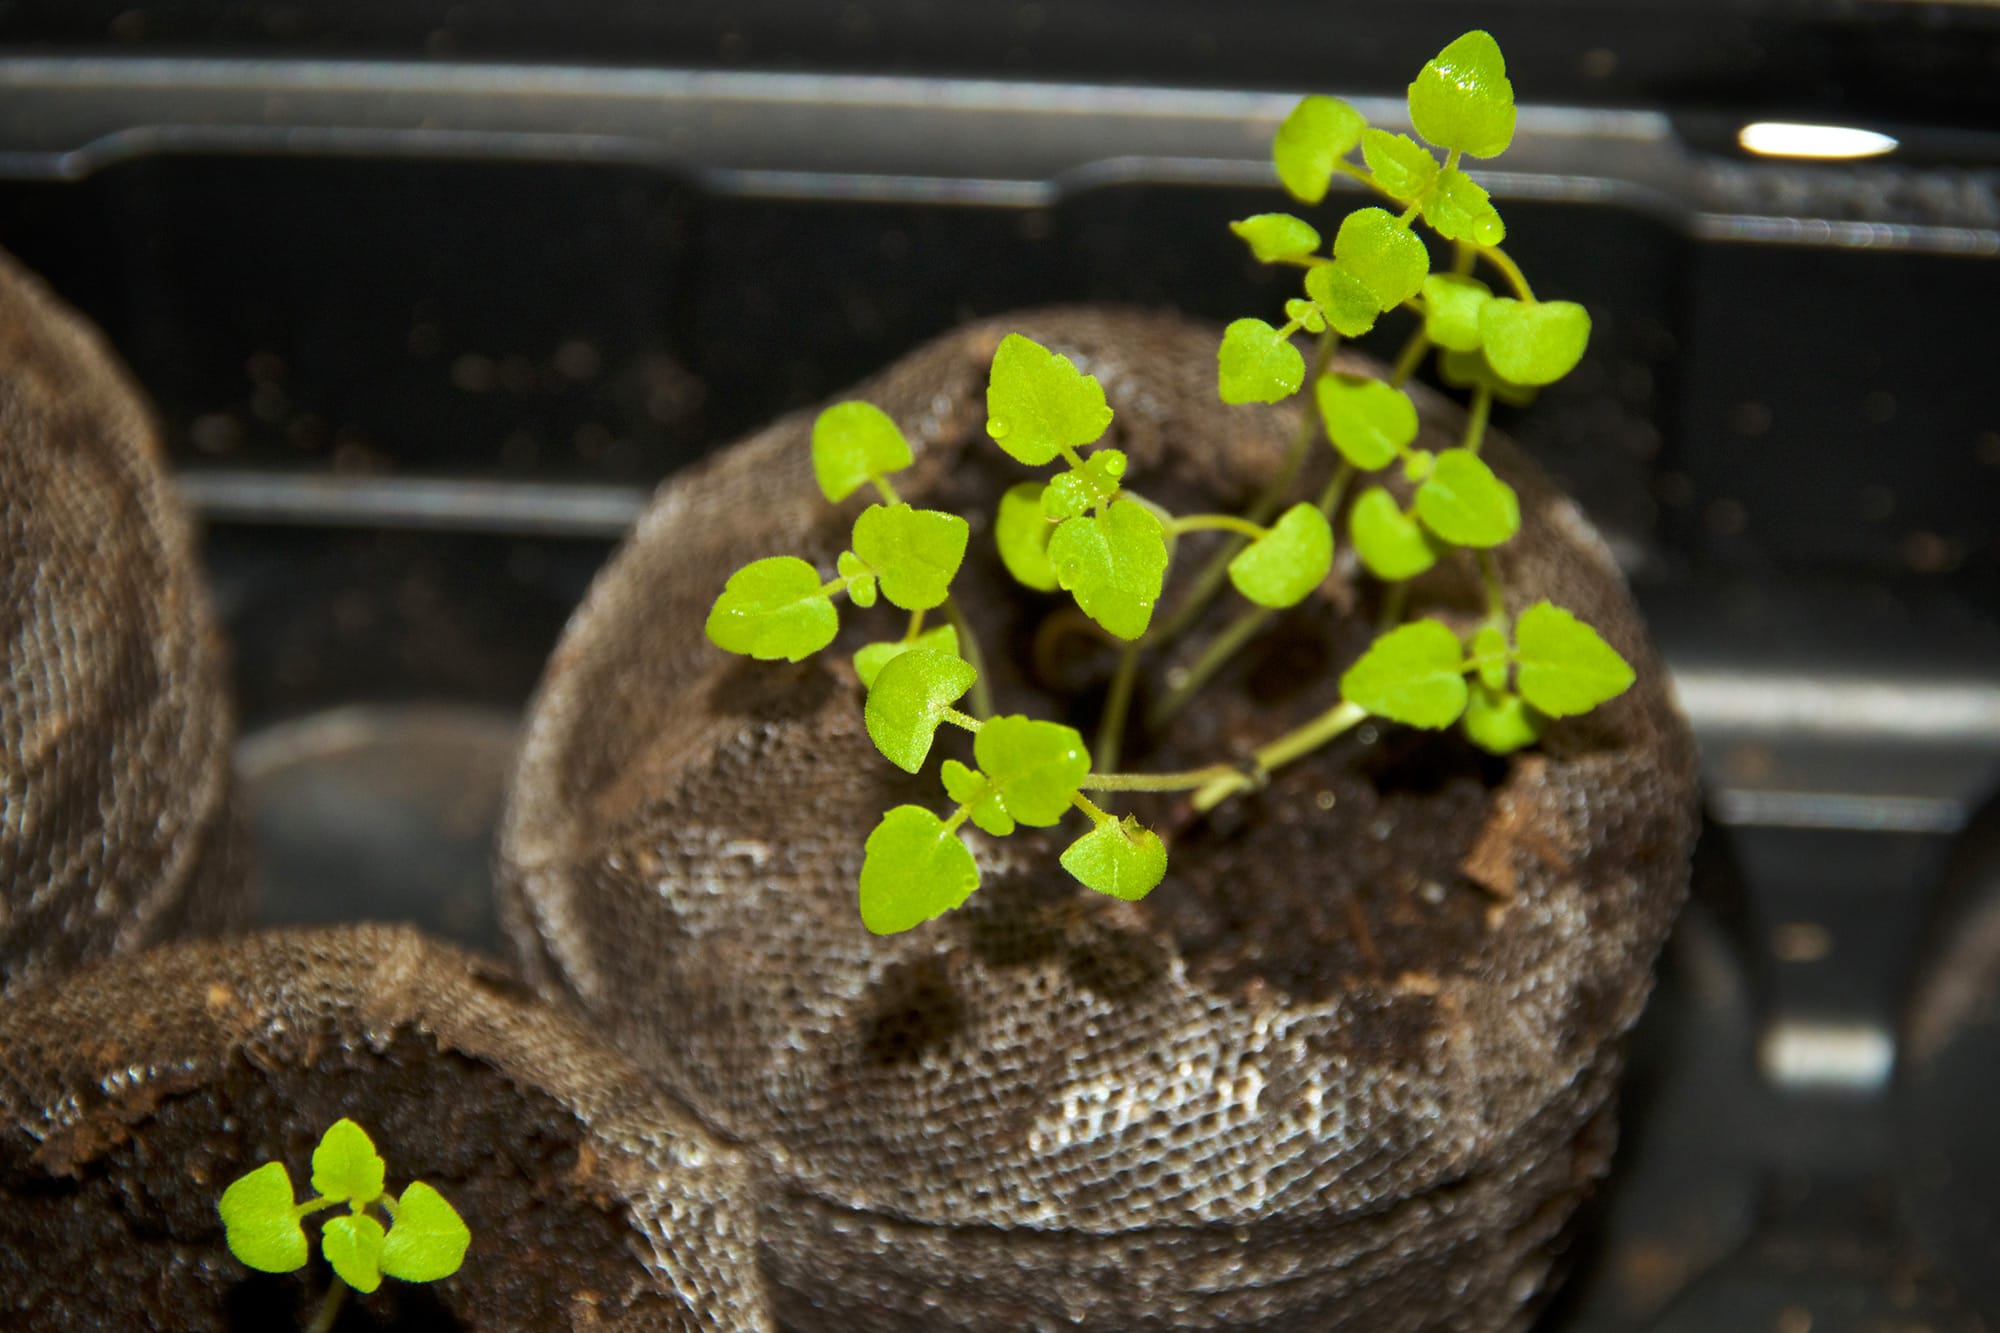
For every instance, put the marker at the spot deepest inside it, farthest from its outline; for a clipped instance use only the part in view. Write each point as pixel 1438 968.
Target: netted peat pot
pixel 1349 1067
pixel 115 820
pixel 133 1093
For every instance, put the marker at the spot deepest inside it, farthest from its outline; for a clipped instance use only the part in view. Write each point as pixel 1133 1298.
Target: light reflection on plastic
pixel 1778 138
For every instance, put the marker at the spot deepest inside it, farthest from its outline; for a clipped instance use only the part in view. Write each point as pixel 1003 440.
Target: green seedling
pixel 424 1239
pixel 1082 529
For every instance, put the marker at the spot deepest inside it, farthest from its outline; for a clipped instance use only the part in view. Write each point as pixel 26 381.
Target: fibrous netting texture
pixel 1348 1067
pixel 132 1093
pixel 116 828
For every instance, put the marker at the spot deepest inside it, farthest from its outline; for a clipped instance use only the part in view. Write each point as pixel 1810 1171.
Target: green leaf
pixel 871 658
pixel 1075 490
pixel 1255 365
pixel 1114 563
pixel 970 787
pixel 1390 543
pixel 429 1238
pixel 1490 655
pixel 1414 674
pixel 773 608
pixel 1566 668
pixel 1287 562
pixel 908 700
pixel 1038 403
pixel 915 553
pixel 1533 343
pixel 1468 370
pixel 352 1243
pixel 1121 857
pixel 258 1222
pixel 1319 132
pixel 1036 767
pixel 1459 209
pixel 1403 167
pixel 1347 304
pixel 1451 310
pixel 1273 237
pixel 1368 421
pixel 346 1165
pixel 913 868
pixel 1022 532
pixel 1464 503
pixel 1500 722
pixel 1462 98
pixel 852 442
pixel 1306 314
pixel 860 582
pixel 1388 258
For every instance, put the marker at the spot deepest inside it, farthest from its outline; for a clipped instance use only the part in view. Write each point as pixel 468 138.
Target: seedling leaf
pixel 915 552
pixel 1566 668
pixel 352 1243
pixel 1318 132
pixel 1498 721
pixel 429 1238
pixel 852 442
pixel 913 868
pixel 1387 257
pixel 1451 310
pixel 1403 167
pixel 908 700
pixel 1469 370
pixel 1464 503
pixel 1039 403
pixel 258 1222
pixel 1287 562
pixel 1022 533
pixel 970 787
pixel 1459 209
pixel 1390 543
pixel 346 1165
pixel 1533 343
pixel 1462 98
pixel 860 582
pixel 1489 655
pixel 1347 304
pixel 1273 237
pixel 1308 314
pixel 1255 365
pixel 773 608
pixel 1114 563
pixel 1121 857
pixel 1414 674
pixel 1368 421
pixel 1076 490
pixel 871 658
pixel 1036 767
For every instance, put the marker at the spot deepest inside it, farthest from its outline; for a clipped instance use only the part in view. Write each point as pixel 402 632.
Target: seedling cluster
pixel 1084 529
pixel 425 1238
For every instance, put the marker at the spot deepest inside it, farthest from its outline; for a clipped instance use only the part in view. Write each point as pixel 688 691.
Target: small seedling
pixel 1085 531
pixel 425 1238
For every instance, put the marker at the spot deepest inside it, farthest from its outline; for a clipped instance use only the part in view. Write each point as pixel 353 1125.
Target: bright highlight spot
pixel 1777 138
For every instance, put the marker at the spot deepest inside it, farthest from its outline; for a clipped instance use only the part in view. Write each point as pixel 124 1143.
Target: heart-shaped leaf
pixel 1318 132
pixel 1079 489
pixel 913 868
pixel 1345 301
pixel 1565 666
pixel 258 1222
pixel 1039 403
pixel 773 608
pixel 1121 857
pixel 1387 257
pixel 1036 767
pixel 915 553
pixel 1368 421
pixel 1499 722
pixel 1414 674
pixel 1469 370
pixel 1390 543
pixel 1464 503
pixel 1533 343
pixel 1403 167
pixel 1255 365
pixel 970 787
pixel 1451 310
pixel 871 658
pixel 908 700
pixel 346 1165
pixel 429 1238
pixel 1462 98
pixel 1287 562
pixel 1273 237
pixel 1114 563
pixel 352 1243
pixel 1459 209
pixel 852 442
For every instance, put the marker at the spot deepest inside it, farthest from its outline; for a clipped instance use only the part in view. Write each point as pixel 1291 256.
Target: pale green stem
pixel 1412 355
pixel 1216 523
pixel 329 1308
pixel 304 1210
pixel 1475 424
pixel 1497 257
pixel 1184 781
pixel 1336 487
pixel 1117 704
pixel 968 648
pixel 1219 650
pixel 887 489
pixel 1496 593
pixel 1463 257
pixel 1392 606
pixel 1294 744
pixel 1089 807
pixel 965 720
pixel 916 626
pixel 957 817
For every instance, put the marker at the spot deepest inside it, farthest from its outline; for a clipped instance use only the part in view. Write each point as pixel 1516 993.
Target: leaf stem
pixel 1216 523
pixel 1219 650
pixel 965 720
pixel 1117 705
pixel 968 648
pixel 1294 744
pixel 916 626
pixel 1409 358
pixel 1336 487
pixel 1475 423
pixel 1497 257
pixel 1182 781
pixel 1496 592
pixel 1391 613
pixel 887 489
pixel 1089 807
pixel 329 1308
pixel 304 1210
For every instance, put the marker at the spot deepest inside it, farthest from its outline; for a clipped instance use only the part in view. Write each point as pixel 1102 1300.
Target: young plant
pixel 425 1238
pixel 1083 530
